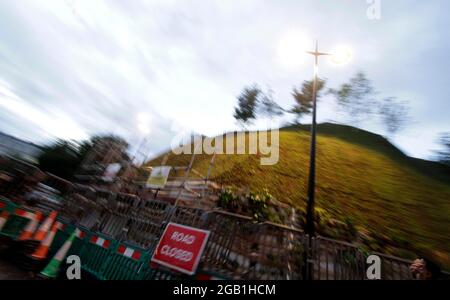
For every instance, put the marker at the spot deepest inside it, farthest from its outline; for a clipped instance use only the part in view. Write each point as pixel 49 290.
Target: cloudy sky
pixel 73 68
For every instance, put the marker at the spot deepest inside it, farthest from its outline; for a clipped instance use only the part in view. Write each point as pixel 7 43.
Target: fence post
pixel 309 257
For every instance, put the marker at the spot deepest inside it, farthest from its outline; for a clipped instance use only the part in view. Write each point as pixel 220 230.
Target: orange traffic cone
pixel 3 218
pixel 42 251
pixel 45 227
pixel 31 227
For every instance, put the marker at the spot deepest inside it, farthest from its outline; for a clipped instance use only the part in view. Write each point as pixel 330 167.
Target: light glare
pixel 341 55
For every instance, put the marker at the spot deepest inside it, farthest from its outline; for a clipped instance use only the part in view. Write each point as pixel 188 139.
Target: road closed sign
pixel 181 248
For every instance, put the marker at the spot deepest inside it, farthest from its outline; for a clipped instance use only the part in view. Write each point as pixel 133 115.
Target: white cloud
pixel 56 124
pixel 97 64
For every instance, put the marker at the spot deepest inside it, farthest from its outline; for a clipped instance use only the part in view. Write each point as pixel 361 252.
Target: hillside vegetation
pixel 396 203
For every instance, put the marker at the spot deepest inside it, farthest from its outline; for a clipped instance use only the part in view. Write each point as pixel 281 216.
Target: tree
pixel 268 107
pixel 63 158
pixel 60 158
pixel 244 113
pixel 444 154
pixel 356 97
pixel 394 114
pixel 109 138
pixel 304 97
pixel 113 141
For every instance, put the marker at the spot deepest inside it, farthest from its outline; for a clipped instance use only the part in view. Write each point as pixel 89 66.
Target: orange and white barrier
pixel 100 241
pixel 129 252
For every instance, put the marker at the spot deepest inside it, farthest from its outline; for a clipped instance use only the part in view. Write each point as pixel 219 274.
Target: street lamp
pixel 341 55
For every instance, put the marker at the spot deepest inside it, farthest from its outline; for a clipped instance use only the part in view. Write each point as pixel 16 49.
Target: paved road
pixel 9 271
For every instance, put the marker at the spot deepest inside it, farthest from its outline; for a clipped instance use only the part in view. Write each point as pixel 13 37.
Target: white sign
pixel 158 177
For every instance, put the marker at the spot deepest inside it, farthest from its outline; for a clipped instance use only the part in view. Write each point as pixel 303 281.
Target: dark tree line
pixel 62 158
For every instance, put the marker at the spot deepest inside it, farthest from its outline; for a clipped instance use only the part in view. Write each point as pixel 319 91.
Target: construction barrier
pixel 81 239
pixel 124 263
pixel 61 236
pixel 95 253
pixel 119 233
pixel 53 267
pixel 16 223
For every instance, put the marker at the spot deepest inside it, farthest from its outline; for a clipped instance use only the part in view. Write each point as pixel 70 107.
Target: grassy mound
pixel 393 201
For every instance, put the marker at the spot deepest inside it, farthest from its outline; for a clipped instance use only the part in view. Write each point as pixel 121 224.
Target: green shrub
pixel 258 204
pixel 228 200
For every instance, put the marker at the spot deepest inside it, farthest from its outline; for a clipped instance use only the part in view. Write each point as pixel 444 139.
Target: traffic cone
pixel 45 227
pixel 31 227
pixel 42 251
pixel 52 269
pixel 3 218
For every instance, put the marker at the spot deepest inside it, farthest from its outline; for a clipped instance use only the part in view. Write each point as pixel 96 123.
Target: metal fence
pixel 237 248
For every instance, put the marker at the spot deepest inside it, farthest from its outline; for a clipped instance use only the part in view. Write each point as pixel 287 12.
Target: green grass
pixel 403 203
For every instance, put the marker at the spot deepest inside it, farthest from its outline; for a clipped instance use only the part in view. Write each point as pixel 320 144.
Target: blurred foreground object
pixel 424 269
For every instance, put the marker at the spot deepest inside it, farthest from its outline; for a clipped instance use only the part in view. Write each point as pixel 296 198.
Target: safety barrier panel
pixel 124 263
pixel 80 241
pixel 62 234
pixel 95 253
pixel 16 222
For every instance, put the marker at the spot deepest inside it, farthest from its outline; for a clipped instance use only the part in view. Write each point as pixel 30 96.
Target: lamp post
pixel 340 56
pixel 312 160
